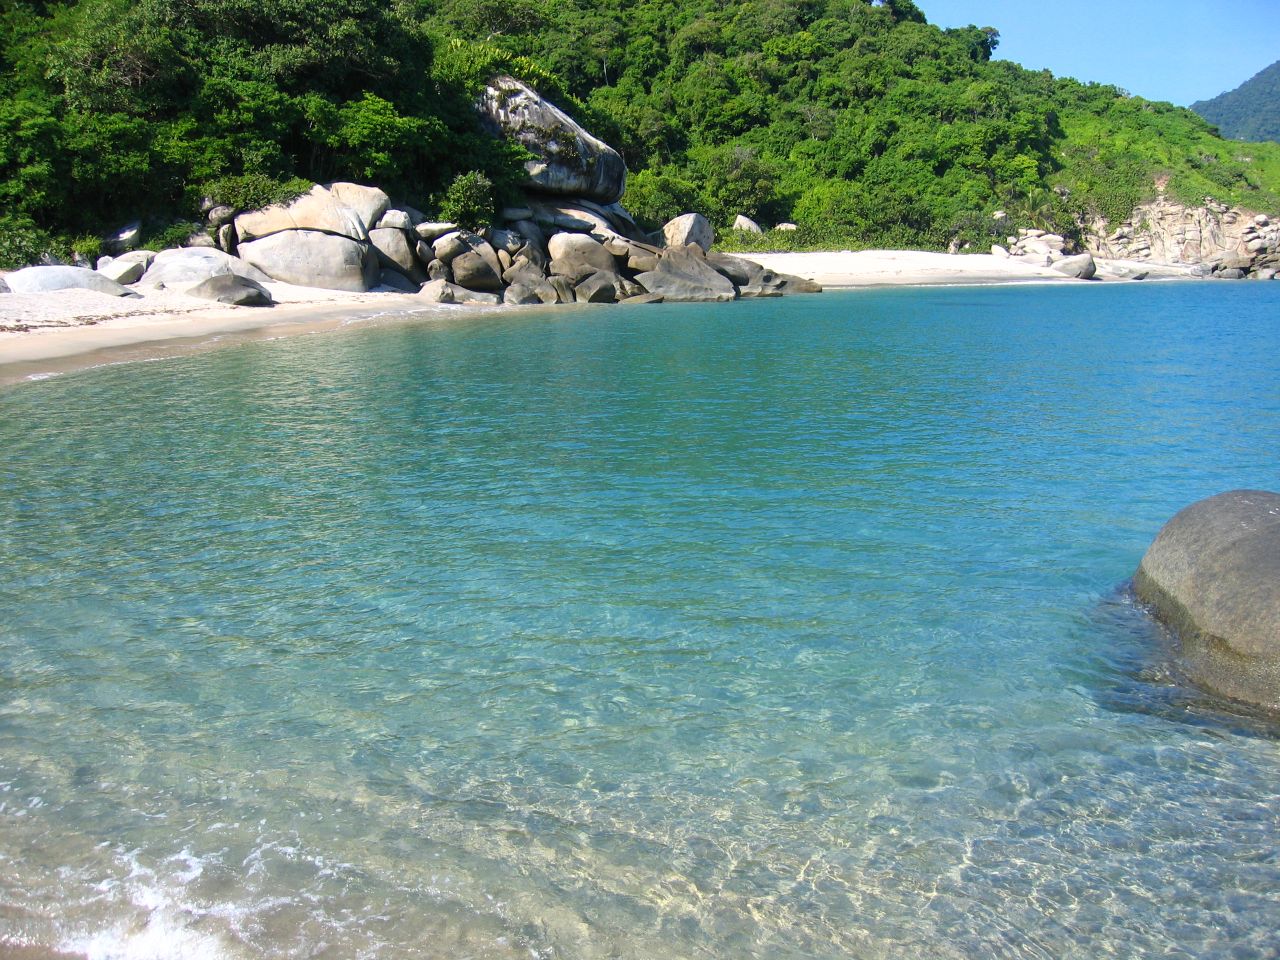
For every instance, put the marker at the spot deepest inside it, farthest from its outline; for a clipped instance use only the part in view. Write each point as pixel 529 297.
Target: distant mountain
pixel 1249 112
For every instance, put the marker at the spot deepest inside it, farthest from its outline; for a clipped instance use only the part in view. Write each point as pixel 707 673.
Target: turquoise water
pixel 778 629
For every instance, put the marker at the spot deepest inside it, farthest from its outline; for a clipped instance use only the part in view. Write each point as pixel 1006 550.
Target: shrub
pixel 253 191
pixel 469 201
pixel 167 237
pixel 22 243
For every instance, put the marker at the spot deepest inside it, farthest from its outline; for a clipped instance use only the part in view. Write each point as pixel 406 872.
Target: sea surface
pixel 777 630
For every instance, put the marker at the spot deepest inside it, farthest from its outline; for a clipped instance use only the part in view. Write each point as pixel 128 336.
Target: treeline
pixel 855 119
pixel 858 120
pixel 113 110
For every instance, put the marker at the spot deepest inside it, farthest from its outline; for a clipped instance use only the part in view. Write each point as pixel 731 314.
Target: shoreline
pixel 70 330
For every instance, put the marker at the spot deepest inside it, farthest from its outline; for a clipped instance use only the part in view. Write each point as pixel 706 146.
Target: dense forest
pixel 856 119
pixel 1249 112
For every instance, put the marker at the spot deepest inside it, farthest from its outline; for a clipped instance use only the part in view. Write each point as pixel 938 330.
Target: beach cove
pixel 779 628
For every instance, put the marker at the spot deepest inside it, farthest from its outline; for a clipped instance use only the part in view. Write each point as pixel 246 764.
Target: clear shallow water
pixel 787 629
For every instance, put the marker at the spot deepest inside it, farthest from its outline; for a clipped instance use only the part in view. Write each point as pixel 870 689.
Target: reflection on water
pixel 779 630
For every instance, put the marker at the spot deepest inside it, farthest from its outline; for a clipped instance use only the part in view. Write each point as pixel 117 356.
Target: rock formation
pixel 1213 575
pixel 570 241
pixel 568 161
pixel 1222 241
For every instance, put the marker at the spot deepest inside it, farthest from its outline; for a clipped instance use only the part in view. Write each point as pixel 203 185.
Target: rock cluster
pixel 570 241
pixel 1220 241
pixel 1042 249
pixel 1213 575
pixel 507 266
pixel 346 236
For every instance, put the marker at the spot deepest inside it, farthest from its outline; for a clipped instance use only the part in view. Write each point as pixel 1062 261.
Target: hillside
pixel 857 120
pixel 1249 112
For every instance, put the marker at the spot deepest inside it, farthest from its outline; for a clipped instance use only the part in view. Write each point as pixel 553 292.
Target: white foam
pixel 165 934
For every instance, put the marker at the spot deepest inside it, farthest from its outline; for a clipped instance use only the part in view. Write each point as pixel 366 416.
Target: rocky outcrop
pixel 1223 241
pixel 568 161
pixel 568 241
pixel 1213 575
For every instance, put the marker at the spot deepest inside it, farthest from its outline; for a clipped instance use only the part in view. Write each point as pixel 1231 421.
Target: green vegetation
pixel 111 110
pixel 1249 112
pixel 469 200
pixel 859 121
pixel 856 119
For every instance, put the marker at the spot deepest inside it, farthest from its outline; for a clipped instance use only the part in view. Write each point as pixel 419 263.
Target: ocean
pixel 777 629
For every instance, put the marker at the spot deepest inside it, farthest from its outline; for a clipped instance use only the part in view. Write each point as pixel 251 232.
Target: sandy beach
pixel 879 268
pixel 50 333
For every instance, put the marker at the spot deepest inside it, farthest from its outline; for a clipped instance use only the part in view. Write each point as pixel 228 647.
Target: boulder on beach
pixel 577 256
pixel 1213 575
pixel 431 230
pixel 567 160
pixel 123 271
pixel 442 291
pixel 369 203
pixel 1080 267
pixel 396 282
pixel 600 287
pixel 688 228
pixel 527 290
pixel 231 289
pixel 475 272
pixel 309 258
pixel 745 224
pixel 48 279
pixel 393 249
pixel 193 264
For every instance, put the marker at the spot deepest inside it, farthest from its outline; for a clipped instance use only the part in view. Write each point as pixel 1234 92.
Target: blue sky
pixel 1177 50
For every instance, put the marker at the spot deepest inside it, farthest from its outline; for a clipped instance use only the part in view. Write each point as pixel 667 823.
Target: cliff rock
pixel 568 161
pixel 1221 238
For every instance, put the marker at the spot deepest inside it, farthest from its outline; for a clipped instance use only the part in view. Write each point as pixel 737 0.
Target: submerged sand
pixel 53 332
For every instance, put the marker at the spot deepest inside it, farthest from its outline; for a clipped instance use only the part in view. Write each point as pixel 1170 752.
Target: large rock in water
pixel 683 274
pixel 568 161
pixel 312 259
pixel 1213 574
